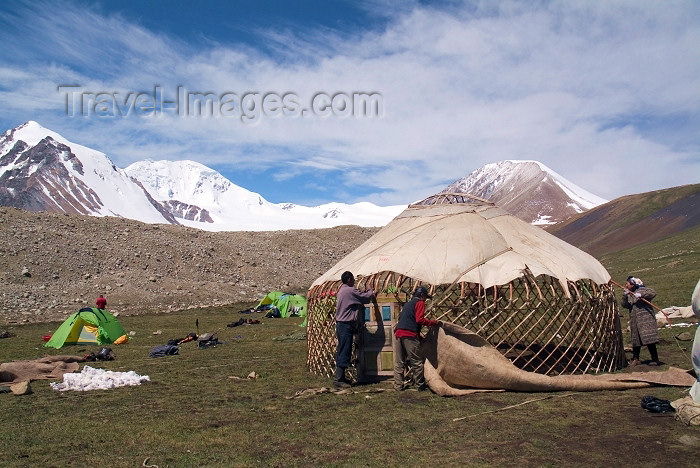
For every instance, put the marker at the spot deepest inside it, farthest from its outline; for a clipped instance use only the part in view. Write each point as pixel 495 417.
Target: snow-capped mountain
pixel 527 189
pixel 208 200
pixel 42 171
pixel 201 194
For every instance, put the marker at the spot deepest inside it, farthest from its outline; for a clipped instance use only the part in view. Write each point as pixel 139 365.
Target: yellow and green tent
pixel 87 326
pixel 289 305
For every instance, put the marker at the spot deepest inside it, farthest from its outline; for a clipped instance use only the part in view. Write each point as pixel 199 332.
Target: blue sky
pixel 605 93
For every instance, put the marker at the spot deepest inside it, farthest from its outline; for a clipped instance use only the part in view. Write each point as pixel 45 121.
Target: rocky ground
pixel 53 264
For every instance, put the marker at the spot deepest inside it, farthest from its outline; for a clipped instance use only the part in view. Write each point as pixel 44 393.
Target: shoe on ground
pixel 418 388
pixel 655 363
pixel 341 384
pixel 634 362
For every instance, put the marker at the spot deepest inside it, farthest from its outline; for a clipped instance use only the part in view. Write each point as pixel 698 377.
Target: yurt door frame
pixel 375 346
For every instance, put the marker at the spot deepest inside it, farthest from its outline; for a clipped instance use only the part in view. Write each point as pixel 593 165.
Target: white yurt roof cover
pixel 466 242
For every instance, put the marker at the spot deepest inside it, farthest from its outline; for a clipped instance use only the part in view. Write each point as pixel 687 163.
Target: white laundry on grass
pixel 98 379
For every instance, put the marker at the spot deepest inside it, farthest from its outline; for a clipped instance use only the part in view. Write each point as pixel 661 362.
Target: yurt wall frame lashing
pixel 531 320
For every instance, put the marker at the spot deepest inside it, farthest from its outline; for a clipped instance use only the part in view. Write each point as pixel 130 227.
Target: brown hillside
pixel 632 220
pixel 54 264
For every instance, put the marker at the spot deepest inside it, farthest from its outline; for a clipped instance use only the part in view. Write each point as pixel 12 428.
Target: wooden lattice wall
pixel 530 320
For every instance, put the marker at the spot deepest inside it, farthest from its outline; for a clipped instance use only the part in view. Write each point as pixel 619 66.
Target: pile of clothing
pixel 242 321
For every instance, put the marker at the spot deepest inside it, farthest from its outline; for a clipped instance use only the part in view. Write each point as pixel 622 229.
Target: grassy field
pixel 193 413
pixel 671 266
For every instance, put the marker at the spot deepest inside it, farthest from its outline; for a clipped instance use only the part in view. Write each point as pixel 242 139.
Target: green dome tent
pixel 269 299
pixel 87 326
pixel 289 305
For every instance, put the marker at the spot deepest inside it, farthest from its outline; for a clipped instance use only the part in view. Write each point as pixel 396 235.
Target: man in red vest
pixel 407 340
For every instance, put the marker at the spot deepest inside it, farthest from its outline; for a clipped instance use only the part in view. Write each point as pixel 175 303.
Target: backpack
pixel 208 340
pixel 105 354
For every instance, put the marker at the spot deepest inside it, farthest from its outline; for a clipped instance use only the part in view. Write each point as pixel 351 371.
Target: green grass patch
pixel 193 414
pixel 671 266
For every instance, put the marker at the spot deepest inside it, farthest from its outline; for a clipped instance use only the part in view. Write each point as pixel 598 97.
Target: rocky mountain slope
pixel 632 220
pixel 53 264
pixel 42 171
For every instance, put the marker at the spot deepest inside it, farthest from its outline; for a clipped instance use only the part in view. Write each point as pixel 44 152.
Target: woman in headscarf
pixel 637 298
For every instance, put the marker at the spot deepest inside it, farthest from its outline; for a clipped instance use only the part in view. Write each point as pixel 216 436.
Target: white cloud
pixel 560 82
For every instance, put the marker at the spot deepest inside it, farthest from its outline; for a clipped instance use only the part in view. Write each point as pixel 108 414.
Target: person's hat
pixel 634 281
pixel 421 290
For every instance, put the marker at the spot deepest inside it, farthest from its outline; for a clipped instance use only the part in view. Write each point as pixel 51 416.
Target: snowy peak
pixel 527 189
pixel 42 171
pixel 194 192
pixel 192 183
pixel 30 133
pixel 201 197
